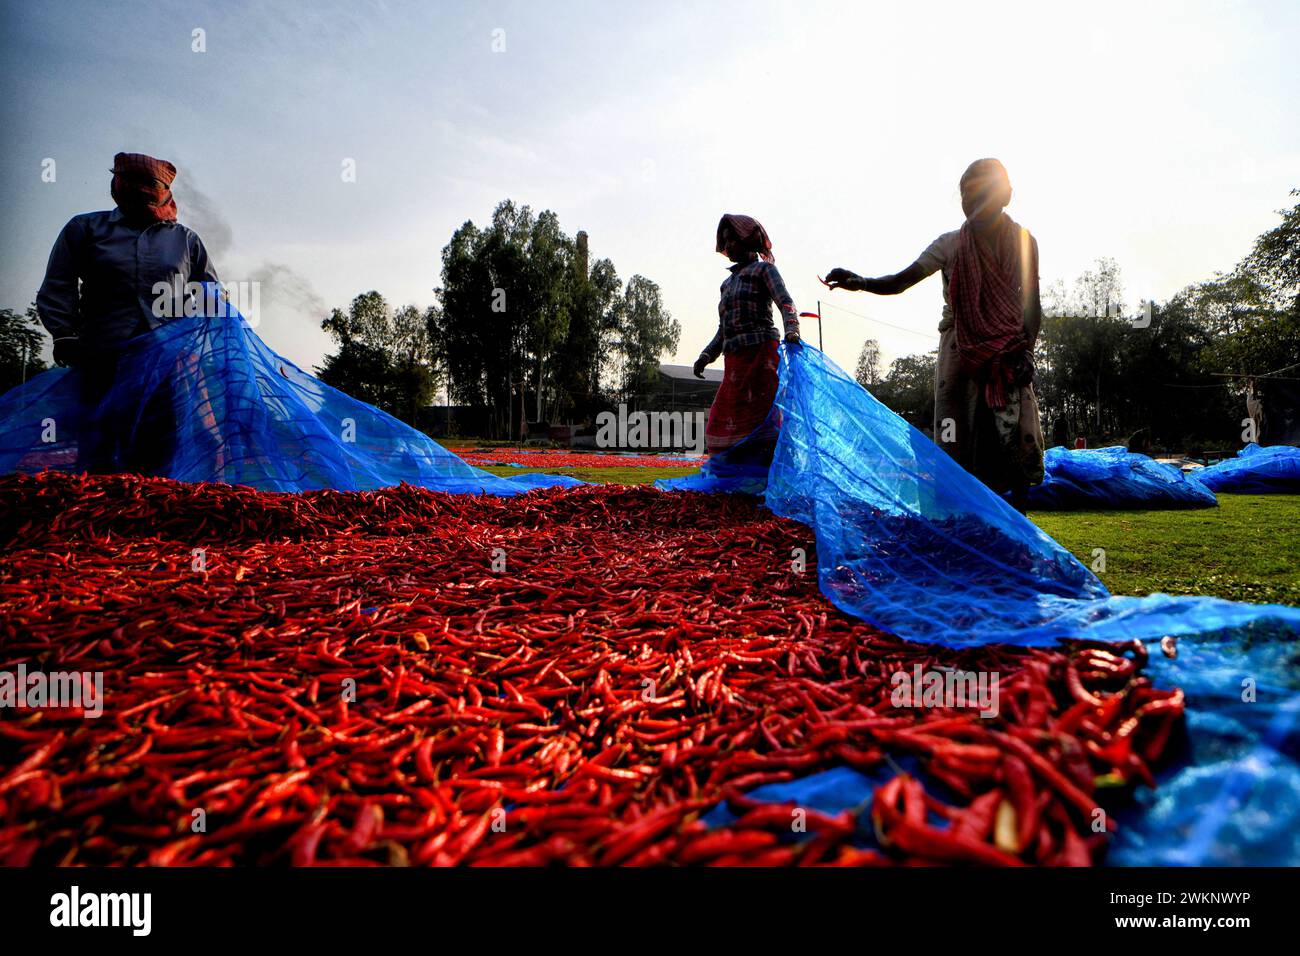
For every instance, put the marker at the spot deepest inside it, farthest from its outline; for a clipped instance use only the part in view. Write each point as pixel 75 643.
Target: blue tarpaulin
pixel 232 411
pixel 1113 478
pixel 1255 471
pixel 909 541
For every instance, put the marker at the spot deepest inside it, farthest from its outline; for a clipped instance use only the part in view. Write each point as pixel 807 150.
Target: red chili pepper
pixel 1020 787
pixel 307 842
pixel 976 821
pixel 905 832
pixel 37 758
pixel 716 844
pixel 1039 765
pixel 466 840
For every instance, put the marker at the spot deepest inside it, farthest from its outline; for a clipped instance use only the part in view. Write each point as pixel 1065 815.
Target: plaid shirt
pixel 745 309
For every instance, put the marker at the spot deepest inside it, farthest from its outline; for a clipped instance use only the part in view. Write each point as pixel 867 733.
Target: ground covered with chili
pixel 575 676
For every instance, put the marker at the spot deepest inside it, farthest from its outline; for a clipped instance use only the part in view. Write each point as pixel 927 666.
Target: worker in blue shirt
pixel 102 287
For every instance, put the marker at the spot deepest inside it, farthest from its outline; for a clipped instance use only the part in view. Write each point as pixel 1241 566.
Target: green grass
pixel 1247 549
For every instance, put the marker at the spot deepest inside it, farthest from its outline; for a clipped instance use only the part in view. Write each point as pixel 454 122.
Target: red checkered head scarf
pixel 750 232
pixel 142 187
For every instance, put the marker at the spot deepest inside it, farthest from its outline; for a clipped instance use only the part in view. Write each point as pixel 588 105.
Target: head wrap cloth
pixel 142 187
pixel 987 180
pixel 749 231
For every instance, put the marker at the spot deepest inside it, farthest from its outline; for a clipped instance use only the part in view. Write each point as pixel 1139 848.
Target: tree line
pixel 1172 375
pixel 525 327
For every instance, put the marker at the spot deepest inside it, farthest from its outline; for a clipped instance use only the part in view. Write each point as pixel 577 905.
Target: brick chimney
pixel 582 253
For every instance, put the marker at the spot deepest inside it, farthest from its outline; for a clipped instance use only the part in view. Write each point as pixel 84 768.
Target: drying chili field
pixel 548 459
pixel 573 677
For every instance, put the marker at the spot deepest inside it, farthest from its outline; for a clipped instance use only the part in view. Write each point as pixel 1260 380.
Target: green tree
pixel 1164 385
pixel 645 332
pixel 21 340
pixel 1246 324
pixel 506 295
pixel 594 310
pixel 385 357
pixel 1275 259
pixel 529 328
pixel 1253 313
pixel 1078 377
pixel 1078 373
pixel 908 388
pixel 868 372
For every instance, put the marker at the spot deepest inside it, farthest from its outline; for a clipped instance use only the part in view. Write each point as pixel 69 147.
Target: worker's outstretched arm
pixel 884 285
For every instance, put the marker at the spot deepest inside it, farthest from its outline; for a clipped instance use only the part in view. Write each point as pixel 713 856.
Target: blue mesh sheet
pixel 1113 478
pixel 205 399
pixel 910 542
pixel 1255 471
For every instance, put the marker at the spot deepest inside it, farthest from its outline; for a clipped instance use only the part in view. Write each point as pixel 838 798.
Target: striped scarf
pixel 985 291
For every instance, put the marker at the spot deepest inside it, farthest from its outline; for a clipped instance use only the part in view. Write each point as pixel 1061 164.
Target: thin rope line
pixel 926 335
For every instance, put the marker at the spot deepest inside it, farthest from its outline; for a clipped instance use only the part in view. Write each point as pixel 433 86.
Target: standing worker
pixel 101 289
pixel 986 412
pixel 746 337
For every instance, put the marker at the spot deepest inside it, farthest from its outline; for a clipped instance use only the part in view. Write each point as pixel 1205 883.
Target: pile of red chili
pixel 403 677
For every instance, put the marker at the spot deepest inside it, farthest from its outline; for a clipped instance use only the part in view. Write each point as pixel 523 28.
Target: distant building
pixel 678 390
pixel 675 389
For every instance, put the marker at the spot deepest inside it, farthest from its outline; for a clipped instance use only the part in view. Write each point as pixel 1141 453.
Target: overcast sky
pixel 1163 135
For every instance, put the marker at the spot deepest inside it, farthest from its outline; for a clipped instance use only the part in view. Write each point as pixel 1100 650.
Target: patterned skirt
pixel 744 399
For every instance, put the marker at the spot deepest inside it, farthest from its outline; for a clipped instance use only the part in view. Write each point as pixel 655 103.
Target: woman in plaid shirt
pixel 746 336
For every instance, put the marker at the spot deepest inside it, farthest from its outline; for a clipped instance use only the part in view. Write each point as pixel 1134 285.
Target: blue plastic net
pixel 1113 478
pixel 910 542
pixel 1255 471
pixel 741 469
pixel 204 399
